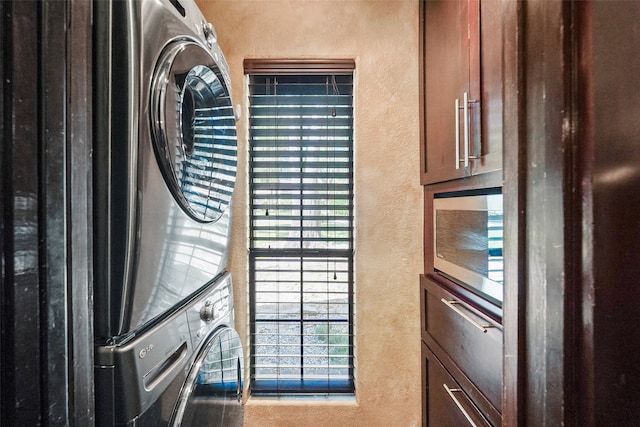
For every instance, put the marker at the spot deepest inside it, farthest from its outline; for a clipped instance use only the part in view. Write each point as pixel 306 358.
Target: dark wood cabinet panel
pixel 462 89
pixel 447 403
pixel 470 338
pixel 488 148
pixel 446 65
pixel 612 333
pixel 570 179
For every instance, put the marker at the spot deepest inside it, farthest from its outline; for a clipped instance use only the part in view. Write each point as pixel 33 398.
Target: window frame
pixel 299 386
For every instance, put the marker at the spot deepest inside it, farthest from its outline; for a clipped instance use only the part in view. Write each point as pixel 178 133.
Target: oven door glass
pixel 469 241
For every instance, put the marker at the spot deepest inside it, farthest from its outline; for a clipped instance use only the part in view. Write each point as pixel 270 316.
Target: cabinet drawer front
pixel 471 340
pixel 447 404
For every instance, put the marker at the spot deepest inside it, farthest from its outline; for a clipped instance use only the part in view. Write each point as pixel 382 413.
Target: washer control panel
pixel 145 365
pixel 213 309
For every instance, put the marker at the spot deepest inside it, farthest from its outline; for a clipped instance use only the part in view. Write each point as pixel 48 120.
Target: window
pixel 301 236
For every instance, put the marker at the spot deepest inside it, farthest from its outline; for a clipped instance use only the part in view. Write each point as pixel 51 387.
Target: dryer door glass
pixel 194 130
pixel 212 395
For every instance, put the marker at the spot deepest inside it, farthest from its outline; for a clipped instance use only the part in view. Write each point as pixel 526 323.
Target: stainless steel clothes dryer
pixel 165 161
pixel 141 380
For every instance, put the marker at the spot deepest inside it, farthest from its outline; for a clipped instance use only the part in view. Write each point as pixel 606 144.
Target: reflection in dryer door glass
pixel 194 130
pixel 206 154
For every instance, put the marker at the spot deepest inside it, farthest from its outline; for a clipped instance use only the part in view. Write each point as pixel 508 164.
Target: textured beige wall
pixel 382 36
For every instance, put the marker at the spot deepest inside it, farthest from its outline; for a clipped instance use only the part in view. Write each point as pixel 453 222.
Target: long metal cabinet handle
pixel 465 108
pixel 450 392
pixel 452 305
pixel 457 133
pixel 468 142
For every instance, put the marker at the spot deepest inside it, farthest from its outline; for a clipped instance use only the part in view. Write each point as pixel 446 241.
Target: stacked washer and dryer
pixel 164 171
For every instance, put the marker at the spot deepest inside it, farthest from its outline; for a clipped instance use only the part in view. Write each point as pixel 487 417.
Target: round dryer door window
pixel 194 130
pixel 212 394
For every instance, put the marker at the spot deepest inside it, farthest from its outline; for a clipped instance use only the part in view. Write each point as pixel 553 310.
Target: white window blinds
pixel 301 237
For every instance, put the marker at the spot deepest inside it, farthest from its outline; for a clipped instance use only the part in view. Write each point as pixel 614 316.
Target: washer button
pixel 207 313
pixel 209 33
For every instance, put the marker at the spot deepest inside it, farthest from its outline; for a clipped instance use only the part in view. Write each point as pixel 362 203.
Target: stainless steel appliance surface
pixel 152 379
pixel 165 161
pixel 469 240
pixel 165 158
pixel 212 393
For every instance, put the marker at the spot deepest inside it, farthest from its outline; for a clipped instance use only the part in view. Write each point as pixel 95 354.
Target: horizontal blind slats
pixel 275 155
pixel 301 236
pixel 261 145
pixel 311 136
pixel 334 188
pixel 325 167
pixel 286 101
pixel 268 122
pixel 299 175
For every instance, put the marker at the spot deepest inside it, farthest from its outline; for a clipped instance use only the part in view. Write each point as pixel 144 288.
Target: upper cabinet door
pixel 457 136
pixel 488 148
pixel 446 79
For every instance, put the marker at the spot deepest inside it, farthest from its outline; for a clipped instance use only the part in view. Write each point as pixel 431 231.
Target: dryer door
pixel 212 394
pixel 194 129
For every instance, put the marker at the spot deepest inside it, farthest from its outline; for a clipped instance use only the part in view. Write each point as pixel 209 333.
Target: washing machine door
pixel 194 129
pixel 212 395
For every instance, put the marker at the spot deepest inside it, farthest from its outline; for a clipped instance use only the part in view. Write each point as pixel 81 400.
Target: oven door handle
pixel 452 305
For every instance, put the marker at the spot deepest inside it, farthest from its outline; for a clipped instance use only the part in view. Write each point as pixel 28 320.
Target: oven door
pixel 468 243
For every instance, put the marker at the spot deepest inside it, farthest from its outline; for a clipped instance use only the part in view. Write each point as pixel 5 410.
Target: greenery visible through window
pixel 301 236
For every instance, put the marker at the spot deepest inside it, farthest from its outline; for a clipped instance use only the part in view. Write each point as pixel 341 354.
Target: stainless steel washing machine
pixel 184 371
pixel 165 158
pixel 212 394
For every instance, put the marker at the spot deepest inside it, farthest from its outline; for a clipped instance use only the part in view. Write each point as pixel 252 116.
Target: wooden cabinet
pixel 489 156
pixel 448 404
pixel 446 80
pixel 461 98
pixel 570 130
pixel 463 361
pixel 461 92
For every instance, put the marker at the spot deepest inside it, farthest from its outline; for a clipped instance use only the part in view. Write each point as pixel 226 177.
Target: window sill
pixel 306 400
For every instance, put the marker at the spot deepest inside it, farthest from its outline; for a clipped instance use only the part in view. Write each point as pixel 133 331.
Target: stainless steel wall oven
pixel 468 241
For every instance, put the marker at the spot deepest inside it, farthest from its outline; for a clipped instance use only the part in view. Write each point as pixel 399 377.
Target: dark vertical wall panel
pixel 584 379
pixel 550 278
pixel 514 190
pixel 21 352
pixel 45 168
pixel 581 95
pixel 53 212
pixel 615 88
pixel 80 204
pixel 545 219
